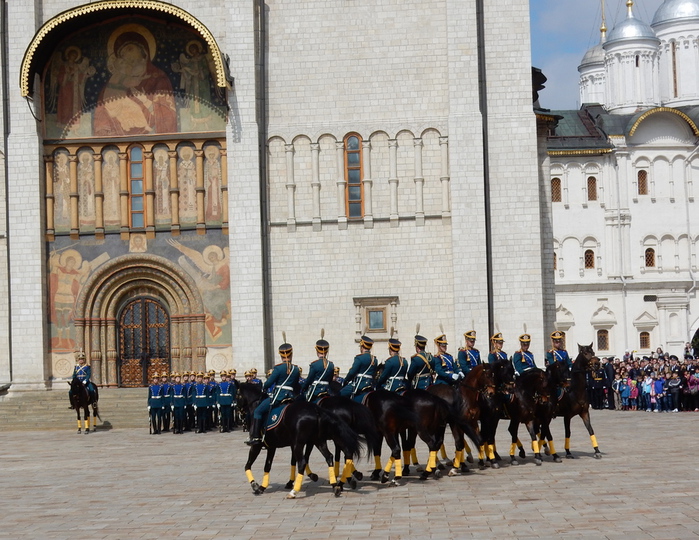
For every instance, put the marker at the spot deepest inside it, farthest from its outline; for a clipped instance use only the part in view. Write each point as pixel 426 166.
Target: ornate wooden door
pixel 144 342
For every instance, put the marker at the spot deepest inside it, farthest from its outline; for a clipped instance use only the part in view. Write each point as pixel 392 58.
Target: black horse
pixel 572 399
pixel 531 404
pixel 303 426
pixel 81 398
pixel 503 374
pixel 467 400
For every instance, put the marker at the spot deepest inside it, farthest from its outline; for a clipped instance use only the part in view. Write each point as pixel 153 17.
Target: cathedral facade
pixel 622 175
pixel 186 181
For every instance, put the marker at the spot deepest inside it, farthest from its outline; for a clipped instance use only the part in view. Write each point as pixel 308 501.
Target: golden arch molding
pixel 53 27
pixel 646 114
pixel 117 282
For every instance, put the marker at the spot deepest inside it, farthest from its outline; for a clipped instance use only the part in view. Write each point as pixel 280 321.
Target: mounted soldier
pixel 558 353
pixel 285 380
pixel 320 372
pixel 83 373
pixel 421 371
pixel 360 377
pixel 523 360
pixel 395 372
pixel 446 368
pixel 496 352
pixel 469 357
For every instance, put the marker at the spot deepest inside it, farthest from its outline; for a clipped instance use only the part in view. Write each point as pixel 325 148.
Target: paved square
pixel 129 484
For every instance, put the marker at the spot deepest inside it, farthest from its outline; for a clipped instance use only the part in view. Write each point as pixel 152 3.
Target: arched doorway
pixel 144 341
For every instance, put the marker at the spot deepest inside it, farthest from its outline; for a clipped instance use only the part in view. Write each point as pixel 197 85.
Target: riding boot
pixel 255 432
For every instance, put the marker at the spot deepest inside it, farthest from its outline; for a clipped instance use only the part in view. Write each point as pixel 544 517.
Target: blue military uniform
pixel 188 402
pixel 285 380
pixel 83 374
pixel 495 355
pixel 211 417
pixel 155 405
pixel 320 374
pixel 421 370
pixel 468 357
pixel 179 402
pixel 360 377
pixel 446 368
pixel 523 360
pixel 200 397
pixel 395 372
pixel 167 402
pixel 558 355
pixel 224 400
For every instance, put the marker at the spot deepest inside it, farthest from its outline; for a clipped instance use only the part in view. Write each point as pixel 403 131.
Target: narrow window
pixel 591 188
pixel 637 59
pixel 650 258
pixel 555 190
pixel 136 202
pixel 353 175
pixel 643 182
pixel 674 69
pixel 555 261
pixel 589 258
pixel 602 340
pixel 644 340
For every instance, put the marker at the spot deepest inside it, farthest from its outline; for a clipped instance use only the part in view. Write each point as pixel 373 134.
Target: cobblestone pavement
pixel 129 484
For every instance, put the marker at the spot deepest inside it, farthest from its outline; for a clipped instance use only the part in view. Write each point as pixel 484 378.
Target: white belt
pixel 366 376
pixel 224 394
pixel 286 388
pixel 320 382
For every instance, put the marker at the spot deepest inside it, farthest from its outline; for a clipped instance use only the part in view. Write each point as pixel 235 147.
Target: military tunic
pixel 496 357
pixel 320 374
pixel 167 405
pixel 155 406
pixel 421 370
pixel 523 361
pixel 394 375
pixel 200 396
pixel 360 377
pixel 224 399
pixel 468 359
pixel 558 356
pixel 177 395
pixel 285 380
pixel 446 368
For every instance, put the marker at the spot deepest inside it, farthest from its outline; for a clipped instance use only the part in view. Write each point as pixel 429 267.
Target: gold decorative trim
pixel 588 152
pixel 646 114
pixel 104 5
pixel 545 117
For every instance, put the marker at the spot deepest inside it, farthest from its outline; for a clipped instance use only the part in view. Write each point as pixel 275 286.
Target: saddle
pixel 362 397
pixel 276 414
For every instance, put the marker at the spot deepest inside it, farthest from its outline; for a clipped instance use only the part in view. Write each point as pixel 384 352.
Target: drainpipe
pixel 6 132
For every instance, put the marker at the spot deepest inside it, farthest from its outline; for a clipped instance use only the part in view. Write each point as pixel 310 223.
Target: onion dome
pixel 631 29
pixel 673 10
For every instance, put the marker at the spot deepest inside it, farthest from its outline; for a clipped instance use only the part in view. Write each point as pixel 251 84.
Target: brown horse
pixel 571 396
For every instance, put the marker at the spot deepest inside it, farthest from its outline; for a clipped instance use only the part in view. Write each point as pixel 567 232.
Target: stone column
pixel 224 190
pixel 99 196
pixel 174 194
pixel 201 217
pixel 290 188
pixel 341 185
pixel 419 183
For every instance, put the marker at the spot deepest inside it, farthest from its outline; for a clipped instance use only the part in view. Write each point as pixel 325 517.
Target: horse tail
pixel 333 427
pixel 365 425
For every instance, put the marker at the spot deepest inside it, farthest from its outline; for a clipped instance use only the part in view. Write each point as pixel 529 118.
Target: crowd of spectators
pixel 657 383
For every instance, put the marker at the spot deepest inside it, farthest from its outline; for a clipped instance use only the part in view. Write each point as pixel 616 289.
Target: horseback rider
pixel 447 369
pixel 82 372
pixel 523 360
pixel 496 352
pixel 558 353
pixel 155 404
pixel 421 371
pixel 360 377
pixel 285 379
pixel 395 370
pixel 469 357
pixel 320 373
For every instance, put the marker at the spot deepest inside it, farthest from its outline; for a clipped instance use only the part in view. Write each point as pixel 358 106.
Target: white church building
pixel 624 173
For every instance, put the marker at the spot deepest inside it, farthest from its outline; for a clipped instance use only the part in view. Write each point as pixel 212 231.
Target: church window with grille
pixel 591 188
pixel 589 258
pixel 556 189
pixel 643 182
pixel 650 258
pixel 644 340
pixel 353 176
pixel 602 340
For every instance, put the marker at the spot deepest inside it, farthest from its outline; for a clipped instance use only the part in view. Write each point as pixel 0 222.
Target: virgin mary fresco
pixel 138 97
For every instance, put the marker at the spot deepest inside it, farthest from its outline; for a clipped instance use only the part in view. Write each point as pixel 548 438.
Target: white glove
pixel 461 376
pixel 195 407
pixel 455 377
pixel 148 408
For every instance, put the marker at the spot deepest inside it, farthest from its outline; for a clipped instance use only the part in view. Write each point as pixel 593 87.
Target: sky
pixel 562 31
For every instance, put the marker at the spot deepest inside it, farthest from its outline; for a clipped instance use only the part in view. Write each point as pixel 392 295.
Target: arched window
pixel 650 258
pixel 353 176
pixel 555 189
pixel 555 261
pixel 136 194
pixel 602 340
pixel 643 182
pixel 591 188
pixel 589 258
pixel 644 340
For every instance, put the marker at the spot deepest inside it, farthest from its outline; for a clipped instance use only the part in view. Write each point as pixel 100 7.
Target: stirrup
pixel 252 442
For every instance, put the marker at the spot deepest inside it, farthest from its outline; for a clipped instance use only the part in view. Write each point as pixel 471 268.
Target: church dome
pixel 593 56
pixel 672 10
pixel 631 29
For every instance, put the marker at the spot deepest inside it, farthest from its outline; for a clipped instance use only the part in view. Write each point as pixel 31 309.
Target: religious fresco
pixel 205 258
pixel 131 77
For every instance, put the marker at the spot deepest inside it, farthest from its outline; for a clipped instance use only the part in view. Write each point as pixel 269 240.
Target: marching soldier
pixel 395 370
pixel 469 357
pixel 320 373
pixel 167 400
pixel 83 373
pixel 177 395
pixel 421 371
pixel 360 377
pixel 200 397
pixel 496 352
pixel 558 353
pixel 447 370
pixel 155 404
pixel 285 379
pixel 224 400
pixel 523 360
